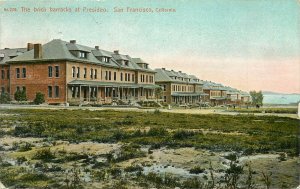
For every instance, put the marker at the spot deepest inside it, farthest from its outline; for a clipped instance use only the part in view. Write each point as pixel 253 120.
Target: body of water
pixel 281 98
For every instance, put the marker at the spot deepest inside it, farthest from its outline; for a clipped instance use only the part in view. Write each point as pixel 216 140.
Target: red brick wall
pixel 37 80
pixel 4 82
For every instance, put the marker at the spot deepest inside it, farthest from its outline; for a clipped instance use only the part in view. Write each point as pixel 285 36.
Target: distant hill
pixel 276 93
pixel 280 98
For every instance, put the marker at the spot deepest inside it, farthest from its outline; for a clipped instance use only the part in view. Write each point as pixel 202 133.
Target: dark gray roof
pixel 77 47
pixel 61 50
pixel 163 75
pixel 209 85
pixel 100 53
pixel 139 61
pixel 119 57
pixel 7 54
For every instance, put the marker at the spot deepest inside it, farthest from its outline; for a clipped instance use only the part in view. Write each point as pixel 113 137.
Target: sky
pixel 246 44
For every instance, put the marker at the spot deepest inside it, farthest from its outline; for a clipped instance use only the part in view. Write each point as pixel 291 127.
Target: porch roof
pixel 187 94
pixel 217 98
pixel 112 84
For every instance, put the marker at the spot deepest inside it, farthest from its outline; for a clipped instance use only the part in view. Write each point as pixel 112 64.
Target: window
pixel 165 99
pixel 2 90
pixel 115 76
pixel 24 88
pixel 18 88
pixel 18 72
pixel 49 71
pixel 73 91
pixel 2 74
pixel 24 72
pixel 147 78
pixel 106 75
pixel 8 74
pixel 121 78
pixel 84 72
pixel 56 91
pixel 126 62
pixel 129 77
pixel 78 72
pixel 95 74
pixel 82 54
pixel 73 72
pixel 125 76
pixel 164 87
pixel 105 59
pixel 50 91
pixel 92 73
pixel 56 71
pixel 141 78
pixel 109 75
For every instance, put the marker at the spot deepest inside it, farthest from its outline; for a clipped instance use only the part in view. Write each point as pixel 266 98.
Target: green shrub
pixel 44 154
pixel 183 134
pixel 133 168
pixel 196 170
pixel 4 98
pixel 157 132
pixel 25 147
pixel 39 98
pixel 129 152
pixel 20 95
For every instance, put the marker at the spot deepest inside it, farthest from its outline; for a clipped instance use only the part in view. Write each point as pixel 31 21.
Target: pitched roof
pixel 209 85
pixel 7 54
pixel 163 75
pixel 61 50
pixel 139 61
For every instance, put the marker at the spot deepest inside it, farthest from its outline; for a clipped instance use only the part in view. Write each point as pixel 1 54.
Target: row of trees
pixel 21 96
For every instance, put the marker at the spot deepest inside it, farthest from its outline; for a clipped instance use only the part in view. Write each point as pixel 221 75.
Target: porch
pixel 186 98
pixel 91 92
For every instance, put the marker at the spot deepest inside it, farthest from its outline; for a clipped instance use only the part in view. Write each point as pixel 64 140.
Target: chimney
pixel 179 71
pixel 116 51
pixel 29 46
pixel 163 68
pixel 73 41
pixel 97 47
pixel 37 51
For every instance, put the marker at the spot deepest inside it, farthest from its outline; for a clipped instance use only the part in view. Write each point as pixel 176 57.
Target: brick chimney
pixel 116 51
pixel 73 41
pixel 37 51
pixel 97 47
pixel 29 46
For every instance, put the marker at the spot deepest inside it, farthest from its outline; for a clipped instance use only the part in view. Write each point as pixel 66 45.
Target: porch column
pixel 104 94
pixel 80 93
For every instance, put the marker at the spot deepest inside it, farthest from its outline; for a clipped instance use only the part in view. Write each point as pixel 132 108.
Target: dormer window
pixel 105 59
pixel 82 54
pixel 1 56
pixel 126 62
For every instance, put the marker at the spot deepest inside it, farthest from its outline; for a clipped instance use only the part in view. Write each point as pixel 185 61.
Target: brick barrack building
pixel 67 72
pixel 70 73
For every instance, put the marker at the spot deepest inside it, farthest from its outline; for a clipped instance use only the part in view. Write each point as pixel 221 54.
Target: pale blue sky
pixel 202 33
